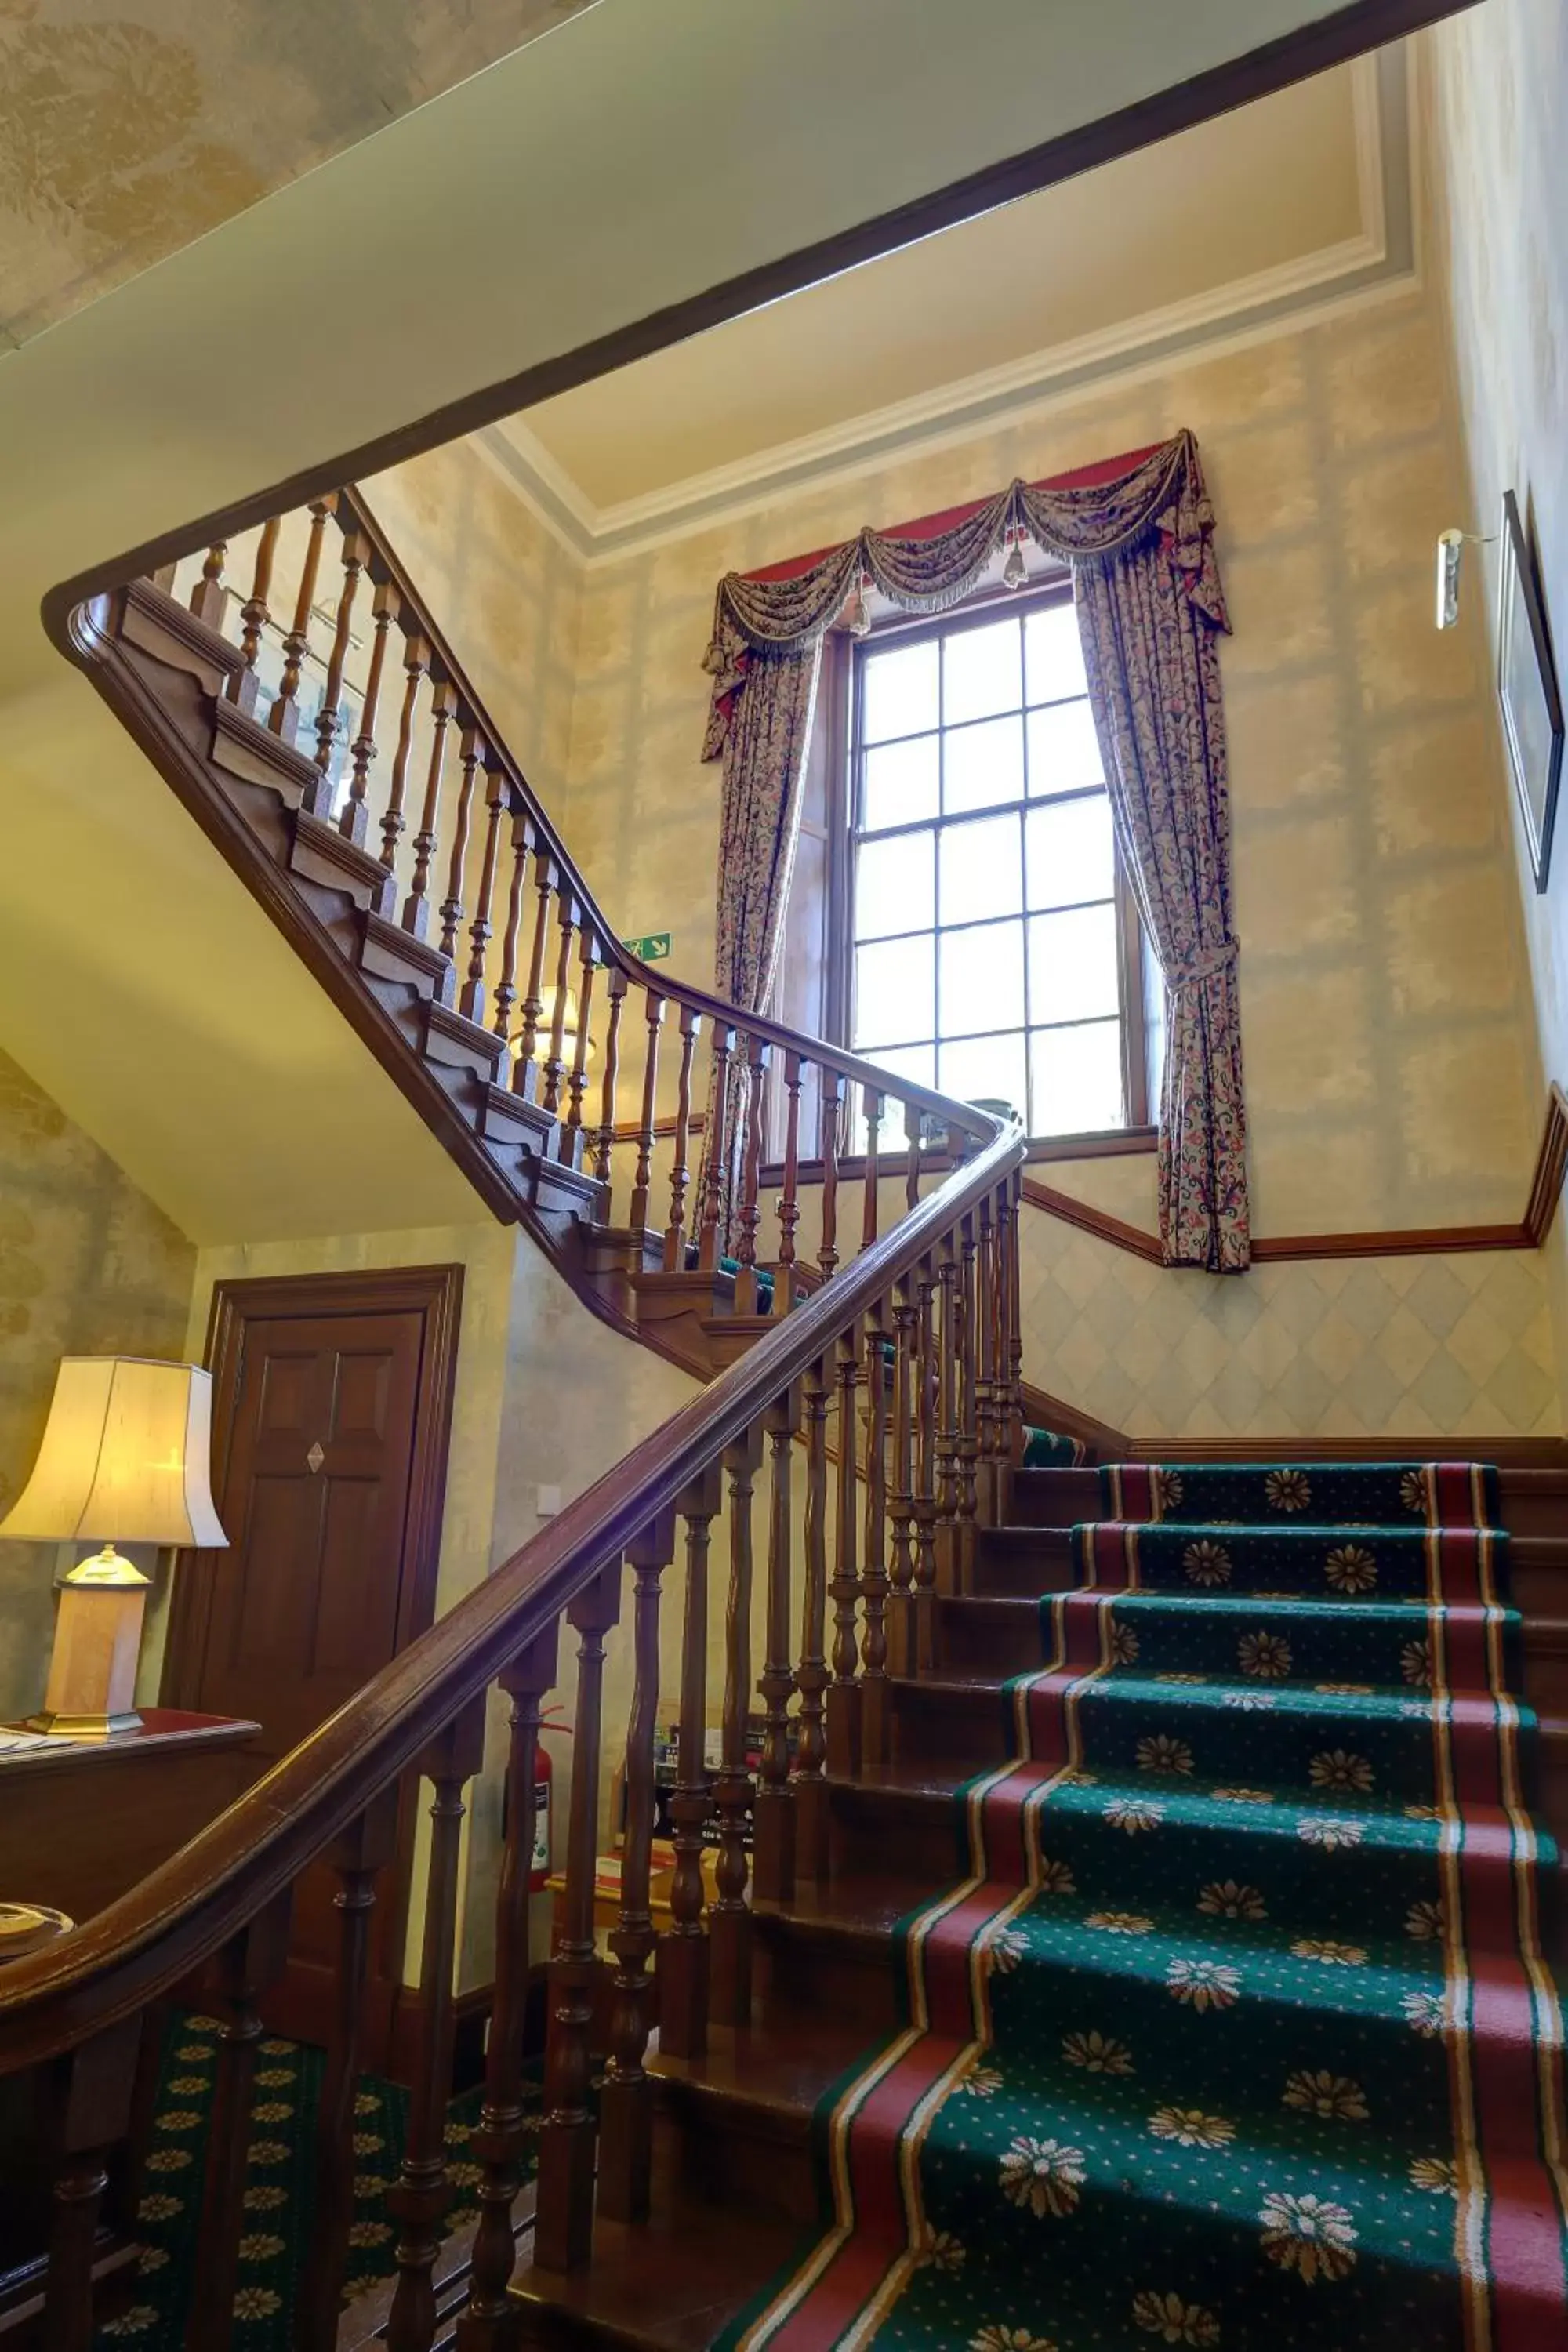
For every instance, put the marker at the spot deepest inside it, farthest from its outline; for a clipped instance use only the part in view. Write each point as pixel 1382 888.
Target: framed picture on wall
pixel 1527 688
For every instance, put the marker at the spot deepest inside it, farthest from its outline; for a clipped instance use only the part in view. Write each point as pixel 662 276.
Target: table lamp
pixel 124 1459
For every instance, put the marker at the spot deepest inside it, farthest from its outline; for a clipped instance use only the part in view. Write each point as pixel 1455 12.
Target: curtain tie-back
pixel 1204 966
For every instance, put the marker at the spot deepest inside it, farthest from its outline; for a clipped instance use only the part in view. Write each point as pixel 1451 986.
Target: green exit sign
pixel 652 947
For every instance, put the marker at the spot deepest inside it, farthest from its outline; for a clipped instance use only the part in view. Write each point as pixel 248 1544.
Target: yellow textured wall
pixel 88 1267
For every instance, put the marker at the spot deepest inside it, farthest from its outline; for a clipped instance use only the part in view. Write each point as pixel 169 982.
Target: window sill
pixel 1101 1143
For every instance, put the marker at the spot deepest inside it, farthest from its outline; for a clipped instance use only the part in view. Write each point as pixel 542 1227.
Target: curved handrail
pixel 144 1943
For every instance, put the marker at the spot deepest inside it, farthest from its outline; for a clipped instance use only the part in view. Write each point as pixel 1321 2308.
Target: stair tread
pixel 852 1907
pixel 782 2063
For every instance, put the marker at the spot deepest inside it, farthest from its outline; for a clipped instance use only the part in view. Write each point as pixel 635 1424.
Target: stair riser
pixel 880 1832
pixel 1013 1562
pixel 729 2154
pixel 802 1972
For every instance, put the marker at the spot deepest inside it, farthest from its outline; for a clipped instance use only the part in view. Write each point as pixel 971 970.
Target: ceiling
pixel 129 127
pixel 1302 196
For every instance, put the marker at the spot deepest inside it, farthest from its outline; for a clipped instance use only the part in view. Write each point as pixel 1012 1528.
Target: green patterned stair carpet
pixel 1237 2031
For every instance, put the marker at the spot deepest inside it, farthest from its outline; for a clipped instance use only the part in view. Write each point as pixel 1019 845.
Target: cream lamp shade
pixel 124 1459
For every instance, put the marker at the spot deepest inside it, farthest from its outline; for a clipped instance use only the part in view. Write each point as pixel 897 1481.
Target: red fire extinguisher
pixel 543 1776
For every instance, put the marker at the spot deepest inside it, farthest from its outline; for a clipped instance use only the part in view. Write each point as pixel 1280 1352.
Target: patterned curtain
pixel 1138 536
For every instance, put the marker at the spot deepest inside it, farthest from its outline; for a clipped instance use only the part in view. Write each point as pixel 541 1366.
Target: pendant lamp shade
pixel 124 1459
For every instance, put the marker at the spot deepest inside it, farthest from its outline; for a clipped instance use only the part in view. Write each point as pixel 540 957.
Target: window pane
pixel 981 672
pixel 981 870
pixel 916 1061
pixel 1072 965
pixel 1069 853
pixel 1053 655
pixel 983 765
pixel 895 993
pixel 1075 1075
pixel 980 980
pixel 898 695
pixel 900 783
pixel 893 886
pixel 983 1069
pixel 1063 752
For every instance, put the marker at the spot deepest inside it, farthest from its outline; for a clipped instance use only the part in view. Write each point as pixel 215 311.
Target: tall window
pixel 993 946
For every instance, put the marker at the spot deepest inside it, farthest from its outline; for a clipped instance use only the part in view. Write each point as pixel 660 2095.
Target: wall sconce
pixel 1450 548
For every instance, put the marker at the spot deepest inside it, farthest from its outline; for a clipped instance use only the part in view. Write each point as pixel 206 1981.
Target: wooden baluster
pixel 604 1144
pixel 254 615
pixel 525 1069
pixel 250 1963
pixel 874 1572
pixel 901 1476
pixel 729 1921
pixel 926 1403
pixel 416 906
pixel 209 599
pixel 506 986
pixel 873 1166
pixel 811 1844
pixel 626 2112
pixel 715 1150
pixel 913 1121
pixel 968 1421
pixel 675 1231
pixel 832 1092
pixel 564 2216
pixel 488 2323
pixel 643 1178
pixel 416 662
pixel 569 1149
pixel 844 1689
pixel 1015 1323
pixel 363 1850
pixel 785 1279
pixel 283 718
pixel 86 2094
pixel 947 1418
pixel 985 1360
pixel 497 792
pixel 357 555
pixel 354 822
pixel 555 1060
pixel 683 1952
pixel 471 754
pixel 773 1842
pixel 418 2198
pixel 750 1216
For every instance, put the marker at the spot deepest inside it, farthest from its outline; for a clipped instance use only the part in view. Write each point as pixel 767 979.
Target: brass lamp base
pixel 83 1727
pixel 91 1688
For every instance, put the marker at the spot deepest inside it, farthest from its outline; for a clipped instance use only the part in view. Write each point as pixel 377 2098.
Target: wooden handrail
pixel 145 1943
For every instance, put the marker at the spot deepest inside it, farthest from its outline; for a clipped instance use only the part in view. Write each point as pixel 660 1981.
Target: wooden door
pixel 331 1401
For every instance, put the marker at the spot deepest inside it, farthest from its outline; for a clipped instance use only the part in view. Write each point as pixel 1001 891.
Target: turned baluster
pixel 750 1216
pixel 354 822
pixel 947 1417
pixel 564 2216
pixel 416 906
pixel 1010 1356
pixel 525 1069
pixel 209 598
pixel 616 988
pixel 927 1388
pixel 364 1849
pixel 497 792
pixel 418 2198
pixel 844 1689
pixel 555 1059
pixel 488 2323
pixel 569 1149
pixel 968 1422
pixel 357 555
pixel 641 1182
pixel 901 1481
pixel 985 1363
pixel 675 1231
pixel 250 1963
pixel 832 1092
pixel 773 1842
pixel 283 718
pixel 416 662
pixel 811 1737
pixel 254 615
pixel 874 1572
pixel 873 1170
pixel 625 2113
pixel 506 985
pixel 471 754
pixel 784 1278
pixel 730 1920
pixel 913 1121
pixel 715 1150
pixel 683 1952
pixel 86 2101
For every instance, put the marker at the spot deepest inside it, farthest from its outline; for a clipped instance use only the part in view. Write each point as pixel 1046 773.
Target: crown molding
pixel 1378 262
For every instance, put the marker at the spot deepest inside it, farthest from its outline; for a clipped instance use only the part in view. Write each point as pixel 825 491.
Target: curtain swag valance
pixel 1081 521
